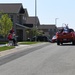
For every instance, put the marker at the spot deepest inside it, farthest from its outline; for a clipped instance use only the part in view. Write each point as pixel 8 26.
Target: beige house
pixel 49 30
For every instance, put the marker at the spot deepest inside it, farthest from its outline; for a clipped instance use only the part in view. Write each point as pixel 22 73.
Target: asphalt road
pixel 43 60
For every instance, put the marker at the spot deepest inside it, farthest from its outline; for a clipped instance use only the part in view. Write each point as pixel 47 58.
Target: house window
pixel 50 29
pixel 17 17
pixel 24 18
pixel 54 30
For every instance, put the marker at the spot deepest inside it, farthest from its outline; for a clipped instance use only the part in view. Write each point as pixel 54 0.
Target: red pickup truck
pixel 65 35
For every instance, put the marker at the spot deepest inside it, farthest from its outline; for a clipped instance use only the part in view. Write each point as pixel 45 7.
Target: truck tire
pixel 73 42
pixel 58 42
pixel 61 43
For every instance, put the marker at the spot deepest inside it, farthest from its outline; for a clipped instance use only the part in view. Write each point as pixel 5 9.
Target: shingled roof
pixel 45 26
pixel 10 7
pixel 31 20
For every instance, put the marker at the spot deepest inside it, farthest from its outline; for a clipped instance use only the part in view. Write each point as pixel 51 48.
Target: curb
pixel 19 48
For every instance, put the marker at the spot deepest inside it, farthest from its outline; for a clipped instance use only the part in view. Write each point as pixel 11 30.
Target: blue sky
pixel 48 10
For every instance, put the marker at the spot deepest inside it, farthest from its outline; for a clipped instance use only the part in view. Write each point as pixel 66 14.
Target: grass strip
pixel 3 42
pixel 3 48
pixel 28 43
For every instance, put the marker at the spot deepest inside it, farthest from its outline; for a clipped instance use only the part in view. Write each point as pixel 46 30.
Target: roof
pixel 59 28
pixel 26 12
pixel 47 26
pixel 10 7
pixel 32 20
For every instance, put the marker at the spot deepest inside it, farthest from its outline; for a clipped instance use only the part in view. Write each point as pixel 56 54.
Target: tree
pixel 40 32
pixel 36 32
pixel 5 24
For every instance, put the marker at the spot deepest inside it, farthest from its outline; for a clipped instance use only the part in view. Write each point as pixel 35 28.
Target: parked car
pixel 54 39
pixel 40 38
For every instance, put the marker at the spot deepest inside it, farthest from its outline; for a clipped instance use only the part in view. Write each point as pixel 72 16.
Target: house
pixel 22 21
pixel 32 22
pixel 18 15
pixel 48 29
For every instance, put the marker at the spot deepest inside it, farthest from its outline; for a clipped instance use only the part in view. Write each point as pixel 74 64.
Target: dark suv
pixel 40 38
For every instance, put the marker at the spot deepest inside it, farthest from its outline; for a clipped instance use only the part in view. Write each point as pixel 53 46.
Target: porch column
pixel 24 34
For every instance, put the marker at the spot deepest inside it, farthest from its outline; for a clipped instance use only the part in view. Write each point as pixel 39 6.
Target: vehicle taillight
pixel 57 34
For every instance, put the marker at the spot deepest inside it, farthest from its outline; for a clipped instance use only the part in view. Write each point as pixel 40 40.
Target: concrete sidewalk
pixel 19 48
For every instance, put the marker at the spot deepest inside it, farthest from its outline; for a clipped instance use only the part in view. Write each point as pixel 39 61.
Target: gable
pixel 52 26
pixel 32 20
pixel 10 7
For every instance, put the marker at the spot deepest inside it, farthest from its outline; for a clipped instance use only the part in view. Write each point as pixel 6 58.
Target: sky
pixel 50 11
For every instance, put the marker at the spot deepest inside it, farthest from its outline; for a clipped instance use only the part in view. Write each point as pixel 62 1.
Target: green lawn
pixel 28 43
pixel 3 42
pixel 3 48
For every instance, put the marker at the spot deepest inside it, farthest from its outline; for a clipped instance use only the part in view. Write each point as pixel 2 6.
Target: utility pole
pixel 56 21
pixel 35 19
pixel 35 12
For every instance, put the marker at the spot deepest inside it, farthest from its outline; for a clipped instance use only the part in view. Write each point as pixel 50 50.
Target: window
pixel 50 29
pixel 54 30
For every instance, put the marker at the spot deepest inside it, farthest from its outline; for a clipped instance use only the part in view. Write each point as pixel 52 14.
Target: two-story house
pixel 18 16
pixel 32 22
pixel 22 21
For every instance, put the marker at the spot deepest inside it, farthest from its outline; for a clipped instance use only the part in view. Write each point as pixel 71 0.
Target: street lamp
pixel 63 24
pixel 35 12
pixel 35 19
pixel 56 21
